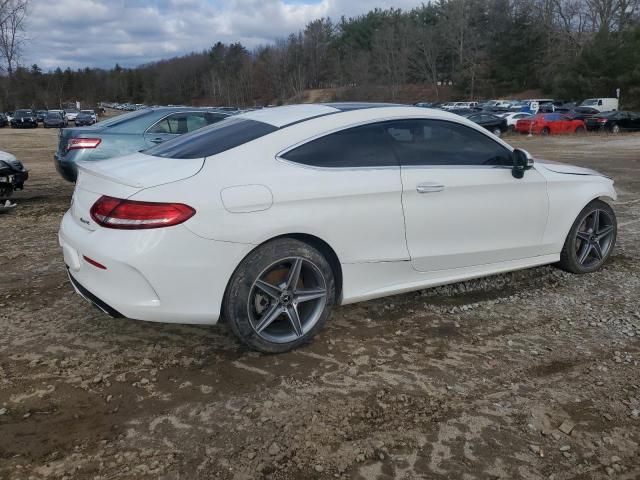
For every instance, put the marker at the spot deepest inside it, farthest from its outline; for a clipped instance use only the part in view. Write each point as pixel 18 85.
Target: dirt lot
pixel 528 375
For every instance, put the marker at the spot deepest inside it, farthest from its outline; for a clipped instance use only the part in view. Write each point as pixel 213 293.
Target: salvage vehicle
pixel 13 174
pixel 614 122
pixel 70 114
pixel 40 114
pixel 127 133
pixel 550 124
pixel 272 217
pixel 24 119
pixel 93 114
pixel 495 124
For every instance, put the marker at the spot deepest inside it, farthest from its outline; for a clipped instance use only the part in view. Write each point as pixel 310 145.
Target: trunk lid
pixel 123 177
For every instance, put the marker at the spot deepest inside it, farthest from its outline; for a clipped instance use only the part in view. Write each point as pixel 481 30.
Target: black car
pixel 3 120
pixel 582 113
pixel 493 123
pixel 84 119
pixel 55 120
pixel 614 122
pixel 40 114
pixel 24 119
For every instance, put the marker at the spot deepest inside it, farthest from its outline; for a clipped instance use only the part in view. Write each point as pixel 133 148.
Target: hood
pixel 567 169
pixel 142 171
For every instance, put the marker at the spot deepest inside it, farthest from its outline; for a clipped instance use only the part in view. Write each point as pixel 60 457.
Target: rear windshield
pixel 211 140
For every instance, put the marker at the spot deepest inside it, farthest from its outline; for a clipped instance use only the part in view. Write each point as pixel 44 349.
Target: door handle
pixel 157 140
pixel 429 188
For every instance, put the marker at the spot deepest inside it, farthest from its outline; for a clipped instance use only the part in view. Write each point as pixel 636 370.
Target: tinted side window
pixel 365 146
pixel 214 139
pixel 436 142
pixel 180 123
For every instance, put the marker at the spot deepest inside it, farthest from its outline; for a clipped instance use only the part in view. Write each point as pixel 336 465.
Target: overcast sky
pixel 99 33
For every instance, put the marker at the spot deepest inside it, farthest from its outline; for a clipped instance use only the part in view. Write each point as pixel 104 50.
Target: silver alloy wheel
pixel 594 238
pixel 497 132
pixel 287 300
pixel 615 129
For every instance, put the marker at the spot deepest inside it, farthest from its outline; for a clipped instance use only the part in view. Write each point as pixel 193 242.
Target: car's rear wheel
pixel 280 296
pixel 497 132
pixel 590 240
pixel 615 129
pixel 545 131
pixel 580 129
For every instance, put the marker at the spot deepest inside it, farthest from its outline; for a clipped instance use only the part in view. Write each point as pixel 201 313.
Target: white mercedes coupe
pixel 270 218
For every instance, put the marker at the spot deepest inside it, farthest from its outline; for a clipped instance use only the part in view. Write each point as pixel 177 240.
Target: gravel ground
pixel 529 375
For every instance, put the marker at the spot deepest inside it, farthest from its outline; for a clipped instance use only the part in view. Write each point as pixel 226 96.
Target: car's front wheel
pixel 496 131
pixel 590 240
pixel 280 296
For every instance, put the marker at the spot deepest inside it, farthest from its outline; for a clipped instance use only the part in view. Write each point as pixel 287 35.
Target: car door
pixel 634 121
pixel 462 205
pixel 349 181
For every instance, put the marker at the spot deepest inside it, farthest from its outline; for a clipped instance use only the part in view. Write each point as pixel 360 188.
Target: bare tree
pixel 12 17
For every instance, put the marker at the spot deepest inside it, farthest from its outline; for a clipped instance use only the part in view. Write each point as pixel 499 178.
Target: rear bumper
pixel 162 275
pixel 90 297
pixel 67 170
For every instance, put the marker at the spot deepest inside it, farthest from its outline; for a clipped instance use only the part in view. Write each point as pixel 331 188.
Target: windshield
pixel 23 113
pixel 590 102
pixel 53 115
pixel 211 140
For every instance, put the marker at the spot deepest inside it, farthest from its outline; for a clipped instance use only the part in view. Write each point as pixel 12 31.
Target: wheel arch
pixel 316 242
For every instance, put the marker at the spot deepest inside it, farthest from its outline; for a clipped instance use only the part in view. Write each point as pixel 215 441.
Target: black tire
pixel 239 300
pixel 545 131
pixel 580 130
pixel 569 260
pixel 497 132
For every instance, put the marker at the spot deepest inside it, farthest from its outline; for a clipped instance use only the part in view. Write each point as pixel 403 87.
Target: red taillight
pixel 113 212
pixel 77 143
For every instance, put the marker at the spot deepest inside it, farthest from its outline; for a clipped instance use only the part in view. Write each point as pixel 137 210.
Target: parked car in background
pixel 93 114
pixel 83 120
pixel 614 122
pixel 127 133
pixel 513 117
pixel 71 114
pixel 271 218
pixel 3 120
pixel 424 104
pixel 601 104
pixel 493 123
pixel 24 119
pixel 54 120
pixel 582 113
pixel 40 114
pixel 550 124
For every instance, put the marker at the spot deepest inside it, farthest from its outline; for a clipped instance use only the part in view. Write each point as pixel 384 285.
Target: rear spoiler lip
pixel 84 167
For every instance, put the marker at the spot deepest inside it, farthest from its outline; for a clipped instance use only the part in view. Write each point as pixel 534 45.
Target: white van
pixel 601 104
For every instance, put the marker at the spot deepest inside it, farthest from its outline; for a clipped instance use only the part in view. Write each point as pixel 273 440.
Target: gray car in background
pixel 127 133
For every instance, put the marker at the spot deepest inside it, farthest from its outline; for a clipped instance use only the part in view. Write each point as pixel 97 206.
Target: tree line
pixel 468 49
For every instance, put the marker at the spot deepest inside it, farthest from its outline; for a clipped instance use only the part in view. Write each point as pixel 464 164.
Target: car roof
pixel 291 114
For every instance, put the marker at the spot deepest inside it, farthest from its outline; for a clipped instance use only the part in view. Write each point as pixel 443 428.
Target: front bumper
pixel 162 275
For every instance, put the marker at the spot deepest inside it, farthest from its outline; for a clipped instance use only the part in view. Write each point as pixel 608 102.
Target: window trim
pixel 475 127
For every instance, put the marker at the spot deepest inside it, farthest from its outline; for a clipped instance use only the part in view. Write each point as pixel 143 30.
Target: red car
pixel 550 124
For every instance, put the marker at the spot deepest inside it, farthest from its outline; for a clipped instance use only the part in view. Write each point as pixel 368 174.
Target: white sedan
pixel 272 217
pixel 513 117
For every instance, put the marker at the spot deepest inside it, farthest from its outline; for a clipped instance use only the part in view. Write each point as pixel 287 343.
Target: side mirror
pixel 522 161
